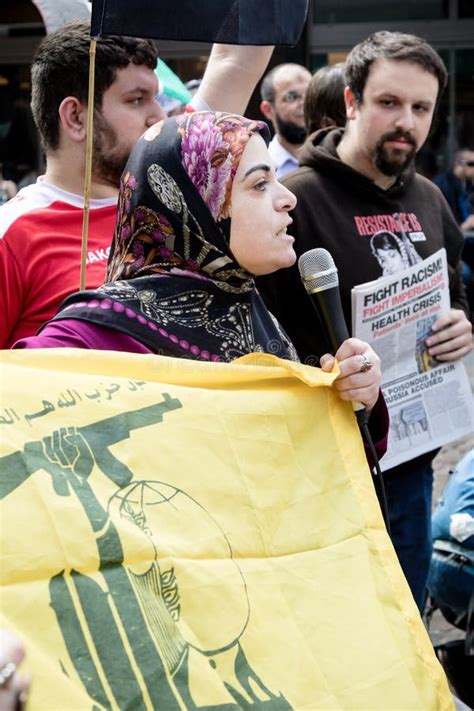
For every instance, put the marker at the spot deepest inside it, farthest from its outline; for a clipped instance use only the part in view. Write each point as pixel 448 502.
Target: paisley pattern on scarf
pixel 174 200
pixel 172 280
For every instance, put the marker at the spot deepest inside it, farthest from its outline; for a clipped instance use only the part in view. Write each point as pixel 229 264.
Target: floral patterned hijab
pixel 172 281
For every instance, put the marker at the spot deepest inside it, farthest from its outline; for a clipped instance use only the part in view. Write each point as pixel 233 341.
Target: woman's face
pixel 259 213
pixel 390 260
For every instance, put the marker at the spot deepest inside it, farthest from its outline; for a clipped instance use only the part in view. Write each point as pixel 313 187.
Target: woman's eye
pixel 260 186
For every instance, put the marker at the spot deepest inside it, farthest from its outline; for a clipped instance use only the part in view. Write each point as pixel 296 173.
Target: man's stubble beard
pixel 108 161
pixel 291 132
pixel 393 162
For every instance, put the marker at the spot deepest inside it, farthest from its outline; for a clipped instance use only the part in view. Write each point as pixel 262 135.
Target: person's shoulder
pixel 65 333
pixel 33 200
pixel 274 148
pixel 286 167
pixel 425 188
pixel 442 178
pixel 273 143
pixel 78 333
pixel 426 183
pixel 32 197
pixel 279 154
pixel 302 174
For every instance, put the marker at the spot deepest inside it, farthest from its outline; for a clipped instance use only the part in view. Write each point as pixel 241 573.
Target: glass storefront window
pixel 466 8
pixel 316 61
pixel 464 117
pixel 337 11
pixel 18 137
pixel 435 156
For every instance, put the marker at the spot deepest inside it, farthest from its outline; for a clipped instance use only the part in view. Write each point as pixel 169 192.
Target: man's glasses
pixel 468 163
pixel 292 96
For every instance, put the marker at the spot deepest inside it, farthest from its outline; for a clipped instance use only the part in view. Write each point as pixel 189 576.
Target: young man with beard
pixel 41 229
pixel 283 91
pixel 354 183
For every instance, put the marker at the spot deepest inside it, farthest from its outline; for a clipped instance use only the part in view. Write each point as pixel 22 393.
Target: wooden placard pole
pixel 88 167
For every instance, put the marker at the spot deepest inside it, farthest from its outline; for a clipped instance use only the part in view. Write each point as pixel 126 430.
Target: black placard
pixel 254 22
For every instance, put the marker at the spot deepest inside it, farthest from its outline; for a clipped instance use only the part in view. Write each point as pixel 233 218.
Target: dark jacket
pixel 456 195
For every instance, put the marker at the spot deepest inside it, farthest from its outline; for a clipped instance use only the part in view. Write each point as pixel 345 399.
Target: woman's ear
pixel 73 118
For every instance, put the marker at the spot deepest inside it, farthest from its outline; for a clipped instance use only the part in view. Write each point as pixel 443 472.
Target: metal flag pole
pixel 88 168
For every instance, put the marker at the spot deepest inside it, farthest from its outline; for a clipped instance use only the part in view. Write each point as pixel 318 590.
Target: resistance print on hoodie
pixel 392 246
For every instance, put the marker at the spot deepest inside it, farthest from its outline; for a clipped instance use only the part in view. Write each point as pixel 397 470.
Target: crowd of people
pixel 344 145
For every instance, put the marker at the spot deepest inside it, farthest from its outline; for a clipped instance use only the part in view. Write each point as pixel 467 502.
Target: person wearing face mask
pixel 200 214
pixel 283 92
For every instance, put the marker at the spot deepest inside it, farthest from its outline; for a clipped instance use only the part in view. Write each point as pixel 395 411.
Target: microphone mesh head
pixel 317 270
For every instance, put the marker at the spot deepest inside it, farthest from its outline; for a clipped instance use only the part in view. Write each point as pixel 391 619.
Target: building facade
pixel 333 27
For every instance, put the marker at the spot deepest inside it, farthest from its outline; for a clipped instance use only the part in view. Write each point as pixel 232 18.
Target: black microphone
pixel 320 279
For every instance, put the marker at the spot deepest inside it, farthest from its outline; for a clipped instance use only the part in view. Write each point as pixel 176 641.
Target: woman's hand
pixel 360 375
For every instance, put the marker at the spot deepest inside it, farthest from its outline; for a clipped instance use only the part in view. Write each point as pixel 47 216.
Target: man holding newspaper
pixel 360 197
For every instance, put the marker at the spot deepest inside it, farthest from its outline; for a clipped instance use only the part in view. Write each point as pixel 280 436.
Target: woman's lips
pixel 282 234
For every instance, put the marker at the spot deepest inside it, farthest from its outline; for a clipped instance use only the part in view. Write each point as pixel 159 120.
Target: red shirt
pixel 40 255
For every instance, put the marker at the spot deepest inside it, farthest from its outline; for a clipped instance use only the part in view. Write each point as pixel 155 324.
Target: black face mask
pixel 290 131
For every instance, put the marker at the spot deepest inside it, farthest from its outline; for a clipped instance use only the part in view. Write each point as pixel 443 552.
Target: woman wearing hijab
pixel 200 214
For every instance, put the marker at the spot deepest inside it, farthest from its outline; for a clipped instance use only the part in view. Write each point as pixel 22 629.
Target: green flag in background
pixel 171 84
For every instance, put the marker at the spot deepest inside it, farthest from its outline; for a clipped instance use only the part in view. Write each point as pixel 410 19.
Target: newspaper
pixel 430 403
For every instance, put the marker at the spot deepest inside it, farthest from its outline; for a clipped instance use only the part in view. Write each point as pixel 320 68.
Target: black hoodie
pixel 340 209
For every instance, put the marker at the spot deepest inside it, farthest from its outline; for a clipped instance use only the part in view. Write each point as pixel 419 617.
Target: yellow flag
pixel 184 535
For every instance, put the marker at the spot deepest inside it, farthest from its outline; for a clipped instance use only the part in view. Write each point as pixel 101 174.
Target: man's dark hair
pixel 61 68
pixel 324 101
pixel 394 46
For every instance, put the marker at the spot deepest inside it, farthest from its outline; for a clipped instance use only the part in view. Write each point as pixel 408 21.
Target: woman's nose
pixel 287 198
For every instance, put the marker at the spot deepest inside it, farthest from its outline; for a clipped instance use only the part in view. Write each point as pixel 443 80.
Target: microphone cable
pixel 377 476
